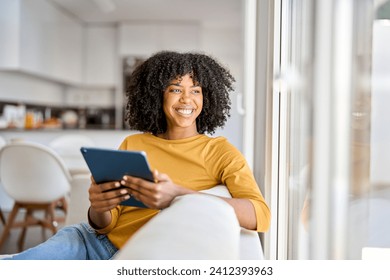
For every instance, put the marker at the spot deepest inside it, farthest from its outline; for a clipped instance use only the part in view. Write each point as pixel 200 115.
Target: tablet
pixel 107 165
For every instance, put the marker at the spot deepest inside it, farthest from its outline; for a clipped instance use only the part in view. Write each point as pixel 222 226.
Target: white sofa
pixel 197 226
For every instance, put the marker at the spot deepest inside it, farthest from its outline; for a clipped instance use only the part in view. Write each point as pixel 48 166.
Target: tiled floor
pixel 34 236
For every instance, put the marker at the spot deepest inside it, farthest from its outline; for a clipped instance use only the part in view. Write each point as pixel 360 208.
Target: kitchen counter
pixel 102 138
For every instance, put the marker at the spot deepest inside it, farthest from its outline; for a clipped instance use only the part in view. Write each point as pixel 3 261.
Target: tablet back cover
pixel 108 165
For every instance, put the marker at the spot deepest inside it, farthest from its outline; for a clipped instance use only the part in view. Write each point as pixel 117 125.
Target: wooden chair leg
pixel 52 220
pixel 65 205
pixel 62 204
pixel 49 221
pixel 9 224
pixel 22 236
pixel 44 222
pixel 2 218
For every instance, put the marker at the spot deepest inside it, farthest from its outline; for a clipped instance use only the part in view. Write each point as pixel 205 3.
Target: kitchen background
pixel 312 88
pixel 63 63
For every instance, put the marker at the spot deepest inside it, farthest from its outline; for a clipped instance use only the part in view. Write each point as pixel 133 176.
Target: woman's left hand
pixel 155 195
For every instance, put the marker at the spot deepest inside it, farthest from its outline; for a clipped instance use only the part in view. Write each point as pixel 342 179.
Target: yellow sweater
pixel 197 163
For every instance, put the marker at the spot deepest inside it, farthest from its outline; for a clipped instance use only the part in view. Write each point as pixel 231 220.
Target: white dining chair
pixel 68 148
pixel 36 178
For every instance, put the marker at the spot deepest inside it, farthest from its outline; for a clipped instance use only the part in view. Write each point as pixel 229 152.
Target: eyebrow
pixel 179 85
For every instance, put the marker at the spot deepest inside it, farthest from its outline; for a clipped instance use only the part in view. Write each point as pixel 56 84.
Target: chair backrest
pixel 31 172
pixel 69 145
pixel 68 148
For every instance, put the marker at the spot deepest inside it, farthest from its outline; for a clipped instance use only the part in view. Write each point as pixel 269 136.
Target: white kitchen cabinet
pixel 101 59
pixel 40 39
pixel 9 34
pixel 51 41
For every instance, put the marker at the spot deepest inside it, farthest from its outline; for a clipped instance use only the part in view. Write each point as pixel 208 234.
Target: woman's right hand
pixel 106 196
pixel 103 198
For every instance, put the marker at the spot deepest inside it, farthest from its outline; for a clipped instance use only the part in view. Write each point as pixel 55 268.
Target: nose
pixel 185 96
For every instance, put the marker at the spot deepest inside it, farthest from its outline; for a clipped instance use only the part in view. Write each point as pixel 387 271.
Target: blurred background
pixel 309 109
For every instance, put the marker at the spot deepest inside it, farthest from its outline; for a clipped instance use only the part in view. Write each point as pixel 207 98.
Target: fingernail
pixel 123 182
pixel 123 191
pixel 127 197
pixel 124 177
pixel 117 184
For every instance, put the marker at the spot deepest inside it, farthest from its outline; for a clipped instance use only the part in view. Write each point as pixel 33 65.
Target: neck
pixel 176 136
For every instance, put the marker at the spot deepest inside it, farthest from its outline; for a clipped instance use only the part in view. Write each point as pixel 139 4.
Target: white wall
pixel 226 44
pixel 146 38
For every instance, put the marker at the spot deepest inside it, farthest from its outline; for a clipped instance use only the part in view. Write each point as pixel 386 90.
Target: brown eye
pixel 175 90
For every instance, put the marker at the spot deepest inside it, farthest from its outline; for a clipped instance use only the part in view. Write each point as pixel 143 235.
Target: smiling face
pixel 183 102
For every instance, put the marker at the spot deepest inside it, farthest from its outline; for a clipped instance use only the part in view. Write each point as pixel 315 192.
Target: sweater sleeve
pixel 231 169
pixel 115 212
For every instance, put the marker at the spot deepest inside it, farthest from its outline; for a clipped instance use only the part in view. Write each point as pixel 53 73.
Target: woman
pixel 173 99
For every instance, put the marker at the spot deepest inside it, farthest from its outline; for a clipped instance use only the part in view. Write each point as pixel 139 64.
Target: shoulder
pixel 134 139
pixel 137 136
pixel 220 146
pixel 220 142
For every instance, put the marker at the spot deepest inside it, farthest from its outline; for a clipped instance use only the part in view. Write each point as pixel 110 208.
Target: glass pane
pixel 298 74
pixel 351 146
pixel 379 157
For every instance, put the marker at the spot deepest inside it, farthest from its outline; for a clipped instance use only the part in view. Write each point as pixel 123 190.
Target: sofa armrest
pixel 195 226
pixel 250 245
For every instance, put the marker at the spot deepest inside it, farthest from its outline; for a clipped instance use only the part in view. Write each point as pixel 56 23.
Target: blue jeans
pixel 75 242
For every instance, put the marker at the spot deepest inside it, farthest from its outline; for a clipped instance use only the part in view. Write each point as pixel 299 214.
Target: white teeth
pixel 185 111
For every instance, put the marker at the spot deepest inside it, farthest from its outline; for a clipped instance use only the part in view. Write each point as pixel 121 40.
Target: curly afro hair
pixel 147 83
